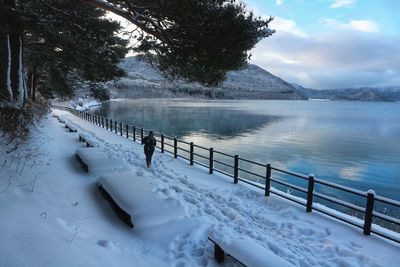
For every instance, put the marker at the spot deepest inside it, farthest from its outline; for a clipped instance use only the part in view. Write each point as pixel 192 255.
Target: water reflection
pixel 180 121
pixel 354 144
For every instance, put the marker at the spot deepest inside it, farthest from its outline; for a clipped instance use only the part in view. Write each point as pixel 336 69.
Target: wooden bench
pixel 247 252
pixel 131 197
pixel 71 127
pixel 83 137
pixel 123 215
pixel 89 139
pixel 96 160
pixel 92 143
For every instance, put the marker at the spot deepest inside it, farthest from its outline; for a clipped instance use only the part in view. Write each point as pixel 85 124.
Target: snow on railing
pixel 385 225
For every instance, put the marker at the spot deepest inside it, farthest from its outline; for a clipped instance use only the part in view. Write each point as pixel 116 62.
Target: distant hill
pixel 251 83
pixel 388 94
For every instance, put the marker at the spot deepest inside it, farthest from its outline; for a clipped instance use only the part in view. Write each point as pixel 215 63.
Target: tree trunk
pixel 12 81
pixel 32 77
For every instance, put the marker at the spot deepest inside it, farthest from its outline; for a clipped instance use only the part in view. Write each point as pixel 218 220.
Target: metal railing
pixel 263 175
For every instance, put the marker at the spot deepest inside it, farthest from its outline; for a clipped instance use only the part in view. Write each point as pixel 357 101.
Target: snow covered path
pixel 59 218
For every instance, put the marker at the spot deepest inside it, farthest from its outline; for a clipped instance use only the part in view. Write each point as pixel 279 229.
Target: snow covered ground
pixel 51 213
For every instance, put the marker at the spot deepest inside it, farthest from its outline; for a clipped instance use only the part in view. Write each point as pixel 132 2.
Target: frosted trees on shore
pixel 13 90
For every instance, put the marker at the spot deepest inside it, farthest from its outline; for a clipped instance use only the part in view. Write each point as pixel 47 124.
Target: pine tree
pixel 199 40
pixel 67 38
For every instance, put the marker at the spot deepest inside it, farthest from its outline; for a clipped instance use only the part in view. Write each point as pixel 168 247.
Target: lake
pixel 356 144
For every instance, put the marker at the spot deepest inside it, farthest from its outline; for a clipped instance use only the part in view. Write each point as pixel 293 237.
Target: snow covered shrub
pixel 100 93
pixel 16 124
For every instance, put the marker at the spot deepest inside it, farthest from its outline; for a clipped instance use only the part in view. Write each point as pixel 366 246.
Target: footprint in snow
pixel 105 244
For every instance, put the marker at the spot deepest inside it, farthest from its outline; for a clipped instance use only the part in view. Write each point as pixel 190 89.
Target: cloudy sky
pixel 331 43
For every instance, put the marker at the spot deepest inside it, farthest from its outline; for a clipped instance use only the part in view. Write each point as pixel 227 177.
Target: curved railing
pixel 263 175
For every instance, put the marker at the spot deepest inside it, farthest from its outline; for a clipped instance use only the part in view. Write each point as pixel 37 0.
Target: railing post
pixel 127 130
pixel 191 153
pixel 141 135
pixel 107 124
pixel 134 133
pixel 162 143
pixel 111 125
pixel 116 126
pixel 175 148
pixel 268 180
pixel 369 209
pixel 310 192
pixel 120 128
pixel 236 169
pixel 211 161
pixel 102 122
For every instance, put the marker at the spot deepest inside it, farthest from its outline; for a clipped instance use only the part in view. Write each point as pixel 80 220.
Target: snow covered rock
pixel 133 194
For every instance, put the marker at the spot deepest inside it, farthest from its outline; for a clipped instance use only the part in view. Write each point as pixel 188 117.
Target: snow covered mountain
pixel 251 83
pixel 387 94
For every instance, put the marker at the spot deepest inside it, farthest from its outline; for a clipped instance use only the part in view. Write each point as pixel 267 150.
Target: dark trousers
pixel 149 154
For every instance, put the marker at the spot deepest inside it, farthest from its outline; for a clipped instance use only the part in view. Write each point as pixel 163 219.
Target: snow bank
pixel 84 104
pixel 133 194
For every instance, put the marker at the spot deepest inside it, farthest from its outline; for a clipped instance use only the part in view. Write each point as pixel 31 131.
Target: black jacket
pixel 149 143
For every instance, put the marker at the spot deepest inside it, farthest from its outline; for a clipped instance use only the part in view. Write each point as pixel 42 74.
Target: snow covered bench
pixel 83 137
pixel 92 143
pixel 89 139
pixel 246 251
pixel 130 195
pixel 61 119
pixel 70 127
pixel 96 160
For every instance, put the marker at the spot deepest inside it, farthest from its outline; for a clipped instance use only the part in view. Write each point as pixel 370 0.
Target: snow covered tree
pixel 67 39
pixel 199 40
pixel 43 42
pixel 12 80
pixel 43 39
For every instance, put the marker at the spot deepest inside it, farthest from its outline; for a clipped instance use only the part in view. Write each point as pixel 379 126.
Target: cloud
pixel 341 59
pixel 342 3
pixel 286 25
pixel 279 2
pixel 357 25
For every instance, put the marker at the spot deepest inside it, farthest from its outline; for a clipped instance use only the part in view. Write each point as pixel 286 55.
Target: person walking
pixel 149 144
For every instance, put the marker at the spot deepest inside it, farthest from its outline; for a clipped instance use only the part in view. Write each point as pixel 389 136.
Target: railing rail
pixel 211 156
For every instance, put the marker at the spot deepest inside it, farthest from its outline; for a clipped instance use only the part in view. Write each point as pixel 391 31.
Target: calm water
pixel 351 143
